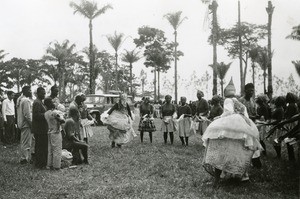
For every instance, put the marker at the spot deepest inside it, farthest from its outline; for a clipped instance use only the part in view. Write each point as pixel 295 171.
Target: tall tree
pixel 143 78
pixel 90 10
pixel 63 55
pixel 251 34
pixel 130 57
pixel 270 10
pixel 222 70
pixel 157 50
pixel 175 20
pixel 253 55
pixel 116 41
pixel 16 68
pixel 4 83
pixel 263 61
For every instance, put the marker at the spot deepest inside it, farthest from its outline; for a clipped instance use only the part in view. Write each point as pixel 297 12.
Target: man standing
pixel 54 94
pixel 8 113
pixel 25 123
pixel 248 101
pixel 202 109
pixel 40 129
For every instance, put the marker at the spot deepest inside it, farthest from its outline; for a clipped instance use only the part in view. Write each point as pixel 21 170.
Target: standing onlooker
pixel 249 102
pixel 216 109
pixel 40 129
pixel 54 135
pixel 25 123
pixel 8 112
pixel 147 121
pixel 54 94
pixel 202 109
pixel 184 114
pixel 291 110
pixel 168 124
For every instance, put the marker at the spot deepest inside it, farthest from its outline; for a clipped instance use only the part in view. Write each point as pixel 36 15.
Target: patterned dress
pixel 146 122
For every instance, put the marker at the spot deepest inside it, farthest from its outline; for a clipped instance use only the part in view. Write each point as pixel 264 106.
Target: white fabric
pixel 8 108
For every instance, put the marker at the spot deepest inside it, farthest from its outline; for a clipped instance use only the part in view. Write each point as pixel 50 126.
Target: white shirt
pixel 8 108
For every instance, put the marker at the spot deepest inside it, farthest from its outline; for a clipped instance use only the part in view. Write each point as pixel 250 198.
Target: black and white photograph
pixel 129 99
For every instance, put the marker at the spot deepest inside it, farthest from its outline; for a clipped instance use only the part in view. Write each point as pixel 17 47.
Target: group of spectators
pixel 44 127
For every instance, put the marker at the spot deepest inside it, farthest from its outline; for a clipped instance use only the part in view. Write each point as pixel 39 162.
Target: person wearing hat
pixel 120 122
pixel 231 140
pixel 202 109
pixel 147 121
pixel 167 114
pixel 184 114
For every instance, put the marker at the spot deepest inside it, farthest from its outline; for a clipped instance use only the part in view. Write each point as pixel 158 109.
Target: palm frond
pixel 175 19
pixel 102 10
pixel 295 34
pixel 115 40
pixel 297 66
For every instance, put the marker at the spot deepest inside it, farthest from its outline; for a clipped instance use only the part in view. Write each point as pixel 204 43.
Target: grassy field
pixel 143 171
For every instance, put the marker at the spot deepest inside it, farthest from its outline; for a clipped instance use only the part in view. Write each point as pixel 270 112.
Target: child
pixel 54 135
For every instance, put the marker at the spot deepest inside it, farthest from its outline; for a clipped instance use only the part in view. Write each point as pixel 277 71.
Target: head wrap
pixel 123 99
pixel 229 90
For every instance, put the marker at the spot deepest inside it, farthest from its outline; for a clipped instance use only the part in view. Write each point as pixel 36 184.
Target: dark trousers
pixel 41 150
pixel 9 129
pixel 76 146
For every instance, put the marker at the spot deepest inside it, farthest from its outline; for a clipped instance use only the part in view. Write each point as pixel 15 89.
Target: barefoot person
pixel 230 140
pixel 147 121
pixel 184 113
pixel 168 124
pixel 120 122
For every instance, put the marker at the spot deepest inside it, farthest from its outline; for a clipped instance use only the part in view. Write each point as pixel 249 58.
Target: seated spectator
pixel 73 144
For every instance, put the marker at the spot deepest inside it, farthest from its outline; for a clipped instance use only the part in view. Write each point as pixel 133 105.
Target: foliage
pixel 295 34
pixel 89 9
pixel 63 56
pixel 115 40
pixel 251 35
pixel 175 19
pixel 297 66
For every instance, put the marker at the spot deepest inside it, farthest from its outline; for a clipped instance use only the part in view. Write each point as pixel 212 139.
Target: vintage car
pixel 98 103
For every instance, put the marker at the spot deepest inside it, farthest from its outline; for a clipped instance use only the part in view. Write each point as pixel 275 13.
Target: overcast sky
pixel 28 26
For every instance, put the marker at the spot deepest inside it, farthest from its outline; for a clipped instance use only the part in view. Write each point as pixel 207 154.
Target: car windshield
pixel 94 99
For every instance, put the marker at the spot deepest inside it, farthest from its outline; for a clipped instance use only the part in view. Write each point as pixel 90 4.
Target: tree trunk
pixel 154 82
pixel 222 89
pixel 176 89
pixel 270 10
pixel 63 87
pixel 117 75
pixel 240 50
pixel 253 76
pixel 158 85
pixel 130 66
pixel 214 34
pixel 265 75
pixel 91 56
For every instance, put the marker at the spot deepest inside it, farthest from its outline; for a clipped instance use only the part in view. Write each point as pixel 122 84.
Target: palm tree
pixel 130 57
pixel 116 40
pixel 90 10
pixel 221 70
pixel 63 54
pixel 297 66
pixel 175 20
pixel 263 61
pixel 143 77
pixel 253 54
pixel 2 54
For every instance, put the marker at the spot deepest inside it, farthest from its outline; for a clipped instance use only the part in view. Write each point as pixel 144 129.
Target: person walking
pixel 202 109
pixel 40 129
pixel 8 112
pixel 147 121
pixel 24 121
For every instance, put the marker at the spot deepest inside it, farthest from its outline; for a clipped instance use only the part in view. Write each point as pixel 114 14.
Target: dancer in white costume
pixel 231 140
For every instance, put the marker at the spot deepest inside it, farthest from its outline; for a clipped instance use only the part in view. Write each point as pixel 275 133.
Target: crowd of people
pixel 233 129
pixel 44 129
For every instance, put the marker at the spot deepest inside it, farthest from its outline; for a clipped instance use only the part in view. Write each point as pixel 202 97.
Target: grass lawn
pixel 143 171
